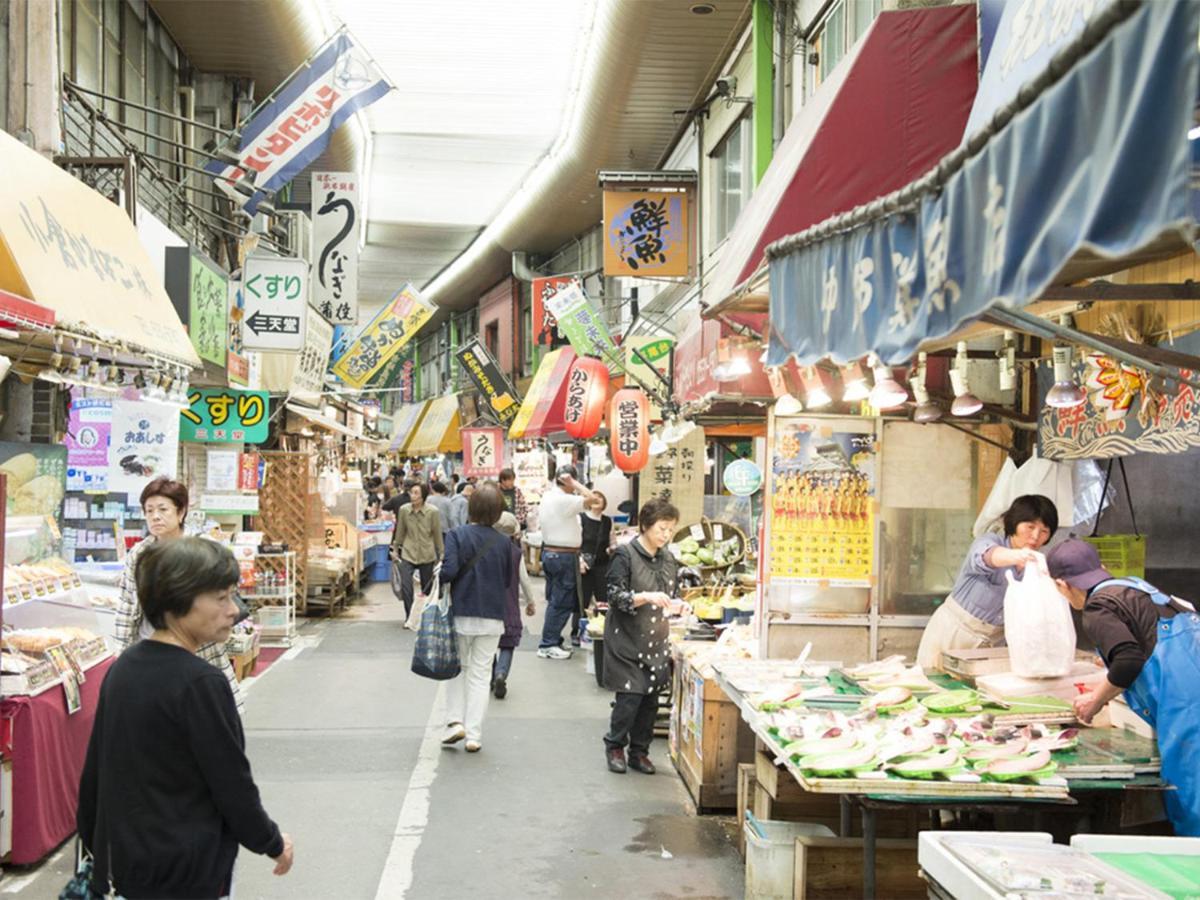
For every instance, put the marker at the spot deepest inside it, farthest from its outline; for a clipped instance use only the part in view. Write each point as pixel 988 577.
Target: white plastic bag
pixel 1038 626
pixel 421 599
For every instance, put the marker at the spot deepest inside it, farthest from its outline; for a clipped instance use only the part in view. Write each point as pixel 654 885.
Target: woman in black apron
pixel 641 585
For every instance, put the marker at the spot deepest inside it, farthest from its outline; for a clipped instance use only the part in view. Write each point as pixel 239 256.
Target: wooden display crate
pixel 243 663
pixel 828 868
pixel 745 801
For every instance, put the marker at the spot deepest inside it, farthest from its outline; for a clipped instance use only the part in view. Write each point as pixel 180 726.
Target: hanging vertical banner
pixel 308 378
pixel 89 428
pixel 275 293
pixel 543 321
pixel 583 325
pixel 483 452
pixel 289 133
pixel 145 444
pixel 479 364
pixel 646 233
pixel 677 475
pixel 237 361
pixel 335 228
pixel 383 337
pixel 248 472
pixel 208 298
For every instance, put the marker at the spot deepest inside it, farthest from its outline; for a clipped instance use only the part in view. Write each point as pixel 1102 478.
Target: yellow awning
pixel 439 430
pixel 68 248
pixel 408 421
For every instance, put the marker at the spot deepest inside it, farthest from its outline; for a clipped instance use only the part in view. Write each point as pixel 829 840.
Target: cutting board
pixel 1008 684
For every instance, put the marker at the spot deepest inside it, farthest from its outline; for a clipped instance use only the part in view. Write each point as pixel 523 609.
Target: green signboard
pixel 225 415
pixel 208 307
pixel 583 326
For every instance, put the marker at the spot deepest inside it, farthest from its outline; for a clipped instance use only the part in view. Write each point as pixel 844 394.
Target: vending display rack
pixel 274 598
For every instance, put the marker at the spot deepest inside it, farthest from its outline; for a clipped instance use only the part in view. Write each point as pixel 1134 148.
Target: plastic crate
pixel 380 571
pixel 1124 555
pixel 272 618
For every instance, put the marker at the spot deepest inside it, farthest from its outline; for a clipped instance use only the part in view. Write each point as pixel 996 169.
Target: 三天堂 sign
pixel 275 292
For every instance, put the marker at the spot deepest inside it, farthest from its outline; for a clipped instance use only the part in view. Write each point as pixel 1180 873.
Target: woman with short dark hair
pixel 479 565
pixel 418 542
pixel 167 794
pixel 973 615
pixel 641 585
pixel 165 505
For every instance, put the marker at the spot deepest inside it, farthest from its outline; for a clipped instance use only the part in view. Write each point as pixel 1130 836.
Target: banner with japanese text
pixel 483 452
pixel 483 370
pixel 677 475
pixel 208 301
pixel 144 445
pixel 993 235
pixel 544 325
pixel 335 229
pixel 657 352
pixel 225 415
pixel 383 337
pixel 583 326
pixel 289 133
pixel 308 378
pixel 646 233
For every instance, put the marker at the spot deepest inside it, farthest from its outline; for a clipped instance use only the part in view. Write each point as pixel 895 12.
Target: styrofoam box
pixel 771 862
pixel 272 617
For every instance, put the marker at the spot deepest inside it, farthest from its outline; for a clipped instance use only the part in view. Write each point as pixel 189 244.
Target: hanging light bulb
pixel 927 411
pixel 855 380
pixel 657 445
pixel 788 405
pixel 1066 392
pixel 965 403
pixel 815 394
pixel 887 393
pixel 732 361
pixel 1008 362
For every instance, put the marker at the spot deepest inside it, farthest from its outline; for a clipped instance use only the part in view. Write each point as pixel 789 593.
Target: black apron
pixel 636 644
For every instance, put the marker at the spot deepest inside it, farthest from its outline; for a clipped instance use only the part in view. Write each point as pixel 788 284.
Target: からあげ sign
pixel 225 415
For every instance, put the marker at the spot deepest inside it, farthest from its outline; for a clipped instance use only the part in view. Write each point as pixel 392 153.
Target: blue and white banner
pixel 291 131
pixel 1098 163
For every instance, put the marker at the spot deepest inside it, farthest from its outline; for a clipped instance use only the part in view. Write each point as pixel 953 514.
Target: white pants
pixel 953 628
pixel 467 695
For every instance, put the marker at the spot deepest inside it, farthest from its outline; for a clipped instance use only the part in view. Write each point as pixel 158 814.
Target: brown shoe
pixel 616 760
pixel 640 762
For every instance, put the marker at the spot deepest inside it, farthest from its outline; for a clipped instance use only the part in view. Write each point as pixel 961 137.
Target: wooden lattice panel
pixel 284 502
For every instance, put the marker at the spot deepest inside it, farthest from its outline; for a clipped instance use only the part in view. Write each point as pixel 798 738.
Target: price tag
pixel 697 531
pixel 718 533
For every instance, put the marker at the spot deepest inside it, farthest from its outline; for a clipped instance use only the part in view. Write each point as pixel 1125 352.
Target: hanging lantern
pixel 587 389
pixel 629 429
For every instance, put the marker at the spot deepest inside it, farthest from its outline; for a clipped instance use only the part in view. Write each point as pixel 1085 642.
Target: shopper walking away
pixel 593 558
pixel 514 499
pixel 520 587
pixel 1150 643
pixel 418 542
pixel 165 505
pixel 439 499
pixel 562 535
pixel 479 564
pixel 400 499
pixel 167 794
pixel 459 504
pixel 641 585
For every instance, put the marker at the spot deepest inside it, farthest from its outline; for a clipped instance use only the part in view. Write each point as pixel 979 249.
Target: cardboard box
pixel 243 663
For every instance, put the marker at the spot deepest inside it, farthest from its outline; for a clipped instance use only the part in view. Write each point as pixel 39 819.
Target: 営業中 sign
pixel 335 227
pixel 275 295
pixel 493 384
pixel 225 415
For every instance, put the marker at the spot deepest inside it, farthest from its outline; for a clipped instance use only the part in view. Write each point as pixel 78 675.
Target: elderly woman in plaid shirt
pixel 165 503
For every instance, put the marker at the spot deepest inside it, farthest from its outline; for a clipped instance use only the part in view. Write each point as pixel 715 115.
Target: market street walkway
pixel 336 733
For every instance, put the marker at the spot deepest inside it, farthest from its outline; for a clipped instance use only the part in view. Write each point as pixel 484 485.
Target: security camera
pixel 726 86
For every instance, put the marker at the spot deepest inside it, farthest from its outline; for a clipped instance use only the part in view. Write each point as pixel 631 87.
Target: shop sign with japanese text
pixel 275 295
pixel 308 378
pixel 483 452
pixel 383 337
pixel 583 326
pixel 225 415
pixel 144 444
pixel 543 320
pixel 208 299
pixel 335 228
pixel 483 370
pixel 657 352
pixel 677 475
pixel 646 233
pixel 237 361
pixel 289 133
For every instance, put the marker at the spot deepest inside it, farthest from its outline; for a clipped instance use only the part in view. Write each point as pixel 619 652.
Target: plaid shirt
pixel 520 508
pixel 129 625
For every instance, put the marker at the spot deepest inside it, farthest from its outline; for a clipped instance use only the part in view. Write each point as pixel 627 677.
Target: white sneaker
pixel 554 653
pixel 473 746
pixel 454 733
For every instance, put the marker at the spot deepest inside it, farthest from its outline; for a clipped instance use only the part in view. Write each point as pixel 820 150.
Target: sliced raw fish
pixel 1029 763
pixel 930 762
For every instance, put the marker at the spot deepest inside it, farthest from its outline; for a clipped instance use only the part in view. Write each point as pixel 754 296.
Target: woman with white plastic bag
pixel 1038 626
pixel 973 615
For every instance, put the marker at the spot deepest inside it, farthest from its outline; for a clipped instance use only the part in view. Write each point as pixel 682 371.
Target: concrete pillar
pixel 33 88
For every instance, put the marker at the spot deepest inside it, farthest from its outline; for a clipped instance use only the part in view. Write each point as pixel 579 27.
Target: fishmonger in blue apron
pixel 1151 645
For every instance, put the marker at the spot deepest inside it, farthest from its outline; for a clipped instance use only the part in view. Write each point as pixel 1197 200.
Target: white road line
pixel 397 875
pixel 303 642
pixel 11 885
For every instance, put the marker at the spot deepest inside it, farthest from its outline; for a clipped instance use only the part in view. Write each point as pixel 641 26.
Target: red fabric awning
pixel 542 409
pixel 886 115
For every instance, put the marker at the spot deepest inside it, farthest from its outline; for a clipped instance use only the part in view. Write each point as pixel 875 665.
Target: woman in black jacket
pixel 167 795
pixel 593 558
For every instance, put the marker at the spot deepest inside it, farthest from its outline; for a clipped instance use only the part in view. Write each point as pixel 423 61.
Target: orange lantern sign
pixel 629 429
pixel 587 389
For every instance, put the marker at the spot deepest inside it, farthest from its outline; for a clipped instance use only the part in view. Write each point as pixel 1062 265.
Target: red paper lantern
pixel 587 389
pixel 629 430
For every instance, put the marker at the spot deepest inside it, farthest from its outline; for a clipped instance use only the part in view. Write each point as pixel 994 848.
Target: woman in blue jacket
pixel 478 565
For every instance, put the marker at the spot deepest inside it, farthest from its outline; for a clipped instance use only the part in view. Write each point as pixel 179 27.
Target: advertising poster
pixel 89 428
pixel 145 444
pixel 677 475
pixel 823 504
pixel 308 378
pixel 37 477
pixel 530 467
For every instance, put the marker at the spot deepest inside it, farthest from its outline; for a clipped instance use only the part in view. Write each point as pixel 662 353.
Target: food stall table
pixel 47 747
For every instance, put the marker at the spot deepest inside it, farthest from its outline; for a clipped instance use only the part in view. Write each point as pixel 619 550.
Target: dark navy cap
pixel 1077 563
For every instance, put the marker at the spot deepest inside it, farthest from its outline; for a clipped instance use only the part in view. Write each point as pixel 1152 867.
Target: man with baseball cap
pixel 1151 645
